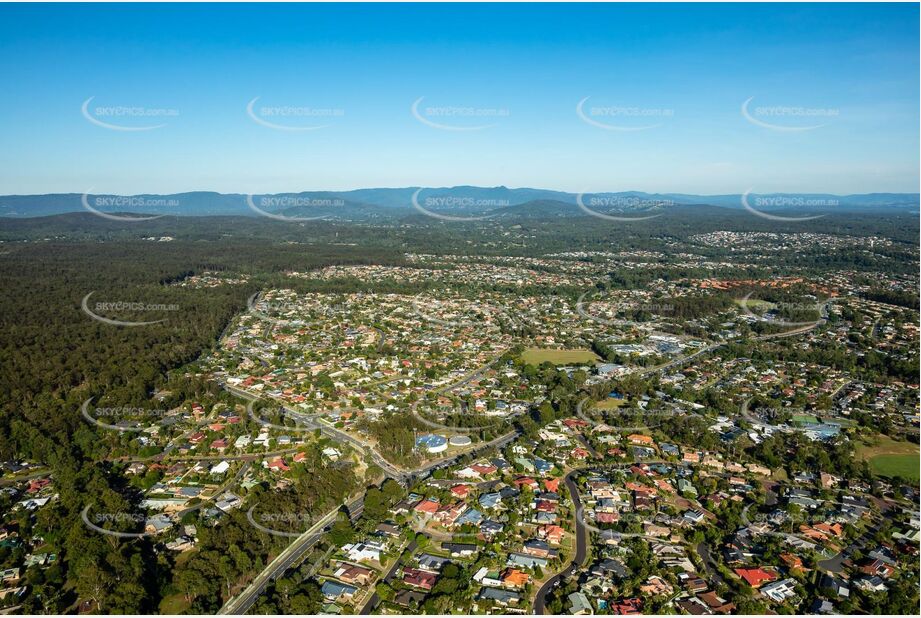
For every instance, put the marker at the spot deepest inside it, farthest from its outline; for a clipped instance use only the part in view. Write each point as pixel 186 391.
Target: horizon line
pixel 424 187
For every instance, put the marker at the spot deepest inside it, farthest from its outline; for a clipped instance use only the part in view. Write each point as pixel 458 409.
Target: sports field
pixel 890 458
pixel 580 356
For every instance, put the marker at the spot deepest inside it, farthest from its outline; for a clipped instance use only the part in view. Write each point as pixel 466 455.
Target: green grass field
pixel 610 404
pixel 905 466
pixel 536 356
pixel 889 458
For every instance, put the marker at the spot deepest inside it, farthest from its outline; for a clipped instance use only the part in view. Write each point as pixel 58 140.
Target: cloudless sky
pixel 686 68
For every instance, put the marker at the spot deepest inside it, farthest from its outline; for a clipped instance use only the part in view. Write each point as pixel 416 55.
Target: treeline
pixel 395 434
pixel 53 356
pixel 524 236
pixel 893 297
pixel 797 453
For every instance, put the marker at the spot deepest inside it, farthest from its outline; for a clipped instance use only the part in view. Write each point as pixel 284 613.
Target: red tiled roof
pixel 756 577
pixel 427 506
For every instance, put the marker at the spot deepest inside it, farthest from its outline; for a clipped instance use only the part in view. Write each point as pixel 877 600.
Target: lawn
pixel 610 403
pixel 905 466
pixel 755 305
pixel 536 356
pixel 779 474
pixel 174 604
pixel 888 457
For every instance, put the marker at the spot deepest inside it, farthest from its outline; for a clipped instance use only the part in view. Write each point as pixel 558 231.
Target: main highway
pixel 242 602
pixel 290 556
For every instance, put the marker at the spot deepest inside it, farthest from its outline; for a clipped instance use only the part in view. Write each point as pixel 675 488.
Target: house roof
pixel 578 602
pixel 756 577
pixel 333 589
pixel 499 595
pixel 427 506
pixel 514 577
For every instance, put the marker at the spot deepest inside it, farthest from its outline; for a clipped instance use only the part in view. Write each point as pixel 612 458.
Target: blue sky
pixel 671 79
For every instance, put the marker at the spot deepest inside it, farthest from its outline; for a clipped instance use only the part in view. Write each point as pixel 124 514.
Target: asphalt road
pixel 790 333
pixel 295 551
pixel 241 603
pixel 588 446
pixel 835 564
pixel 476 373
pixel 388 468
pixel 704 552
pixel 392 471
pixel 217 494
pixel 291 554
pixel 581 549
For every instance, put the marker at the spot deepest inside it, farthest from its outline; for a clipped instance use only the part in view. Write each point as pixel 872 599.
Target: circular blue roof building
pixel 432 443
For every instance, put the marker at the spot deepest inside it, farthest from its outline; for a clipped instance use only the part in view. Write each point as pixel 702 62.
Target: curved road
pixel 581 533
pixel 479 371
pixel 789 333
pixel 291 554
pixel 581 547
pixel 241 603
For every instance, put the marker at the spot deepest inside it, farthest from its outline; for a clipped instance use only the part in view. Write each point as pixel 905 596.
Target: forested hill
pixel 367 204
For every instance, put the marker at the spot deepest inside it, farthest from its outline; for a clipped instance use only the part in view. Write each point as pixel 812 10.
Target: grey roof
pixel 488 501
pixel 578 602
pixel 428 561
pixel 408 597
pixel 488 526
pixel 545 518
pixel 613 567
pixel 526 560
pixel 498 595
pixel 537 544
pixel 470 516
pixel 333 589
pixel 459 548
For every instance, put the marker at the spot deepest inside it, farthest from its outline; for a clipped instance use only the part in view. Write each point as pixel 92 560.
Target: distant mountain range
pixel 447 202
